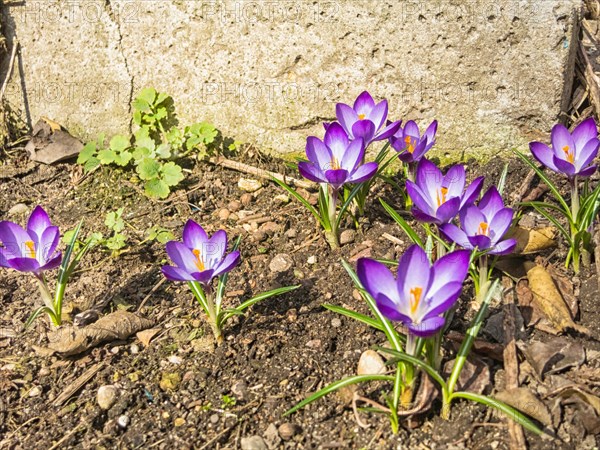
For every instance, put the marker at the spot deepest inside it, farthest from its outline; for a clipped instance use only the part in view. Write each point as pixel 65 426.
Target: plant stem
pixel 47 298
pixel 483 278
pixel 332 235
pixel 212 314
pixel 575 222
pixel 575 198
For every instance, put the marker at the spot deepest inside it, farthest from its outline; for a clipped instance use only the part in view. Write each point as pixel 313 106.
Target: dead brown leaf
pixel 118 325
pixel 49 143
pixel 552 357
pixel 474 377
pixel 525 401
pixel 532 240
pixel 146 336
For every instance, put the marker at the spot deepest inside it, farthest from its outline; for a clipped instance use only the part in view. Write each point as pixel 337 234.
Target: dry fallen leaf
pixel 532 240
pixel 548 299
pixel 49 143
pixel 474 377
pixel 525 401
pixel 146 336
pixel 118 325
pixel 552 357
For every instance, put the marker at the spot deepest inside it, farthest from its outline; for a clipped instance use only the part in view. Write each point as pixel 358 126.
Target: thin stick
pixel 511 362
pixel 152 291
pixel 524 187
pixel 68 435
pixel 77 384
pixel 10 69
pixel 261 173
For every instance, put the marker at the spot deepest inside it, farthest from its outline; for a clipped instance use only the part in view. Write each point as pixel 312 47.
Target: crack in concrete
pixel 115 18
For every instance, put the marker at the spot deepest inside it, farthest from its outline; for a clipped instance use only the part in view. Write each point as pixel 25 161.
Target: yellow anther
pixel 410 144
pixel 415 298
pixel 335 164
pixel 441 196
pixel 31 247
pixel 199 263
pixel 569 154
pixel 483 229
pixel 361 116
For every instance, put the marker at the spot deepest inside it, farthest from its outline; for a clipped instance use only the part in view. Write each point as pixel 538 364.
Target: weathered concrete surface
pixel 494 73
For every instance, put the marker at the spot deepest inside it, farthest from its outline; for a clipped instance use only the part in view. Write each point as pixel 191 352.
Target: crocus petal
pixel 587 172
pixel 318 153
pixel 377 279
pixel 501 223
pixel 336 177
pixel 561 139
pixel 391 310
pixel 450 268
pixel 24 264
pixel 454 180
pixel 364 173
pixel 176 274
pixel 337 141
pixel 504 248
pixel 204 277
pixel 471 219
pixel 364 103
pixel 364 129
pixel 430 132
pixel 38 221
pixel 472 192
pixel 490 203
pixel 13 238
pixel 215 249
pixel 454 234
pixel 584 132
pixel 421 216
pixel 412 129
pixel 543 154
pixel 587 154
pixel 311 172
pixel 388 131
pixel 480 241
pixel 448 210
pixel 182 256
pixel 47 245
pixel 228 263
pixel 427 327
pixel 564 166
pixel 406 157
pixel 378 114
pixel 420 200
pixel 444 299
pixel 413 272
pixel 346 116
pixel 429 178
pixel 3 258
pixel 53 263
pixel 353 155
pixel 194 235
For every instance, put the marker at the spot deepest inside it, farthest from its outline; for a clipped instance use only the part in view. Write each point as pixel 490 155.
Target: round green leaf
pixel 148 169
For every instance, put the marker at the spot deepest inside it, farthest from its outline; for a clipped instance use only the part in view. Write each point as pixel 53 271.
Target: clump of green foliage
pixel 155 146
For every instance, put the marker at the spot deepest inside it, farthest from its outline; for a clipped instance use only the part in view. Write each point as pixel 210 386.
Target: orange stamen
pixel 335 164
pixel 483 229
pixel 569 154
pixel 361 116
pixel 410 144
pixel 415 298
pixel 31 247
pixel 441 199
pixel 199 263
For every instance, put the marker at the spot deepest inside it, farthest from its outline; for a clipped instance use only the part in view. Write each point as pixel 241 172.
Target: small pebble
pixel 336 322
pixel 347 236
pixel 179 422
pixel 107 396
pixel 35 391
pixel 253 443
pixel 246 199
pixel 114 350
pixel 174 359
pixel 312 259
pixel 259 236
pixel 299 274
pixel 44 372
pixel 17 210
pixel 240 390
pixel 370 363
pixel 270 227
pixel 282 198
pixel 224 214
pixel 214 419
pixel 291 233
pixel 234 206
pixel 123 421
pixel 281 263
pixel 249 185
pixel 314 343
pixel 287 431
pixel 134 349
pixel 356 295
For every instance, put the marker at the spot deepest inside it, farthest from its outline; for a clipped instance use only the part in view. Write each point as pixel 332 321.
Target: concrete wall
pixel 268 72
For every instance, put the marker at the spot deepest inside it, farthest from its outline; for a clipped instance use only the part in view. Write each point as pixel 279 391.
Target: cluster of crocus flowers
pixel 32 249
pixel 438 198
pixel 483 226
pixel 422 291
pixel 571 154
pixel 199 258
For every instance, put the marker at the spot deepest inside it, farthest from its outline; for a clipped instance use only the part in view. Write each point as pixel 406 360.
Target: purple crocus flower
pixel 409 142
pixel 421 293
pixel 571 153
pixel 198 257
pixel 336 160
pixel 366 119
pixel 438 198
pixel 483 226
pixel 32 249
